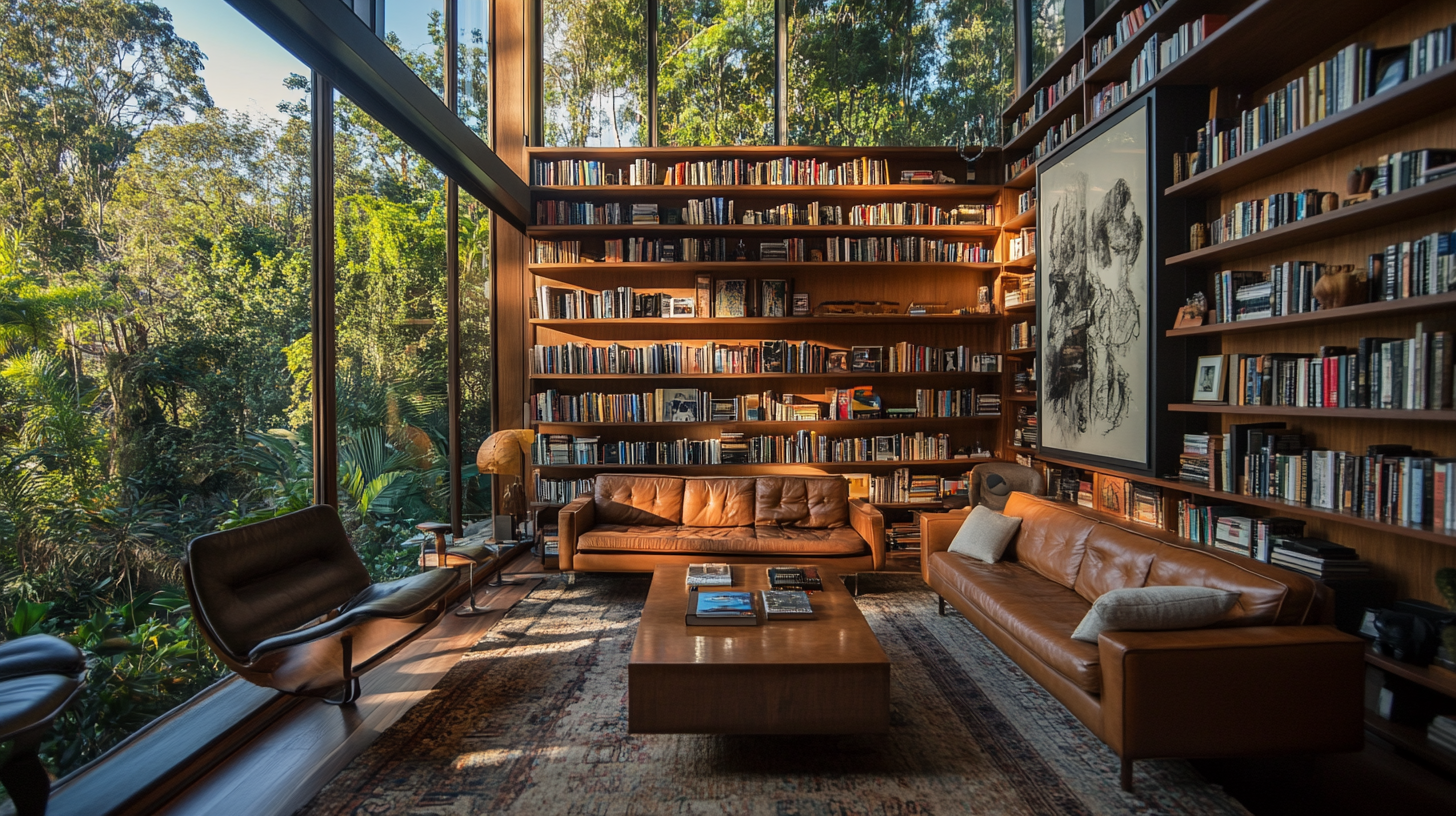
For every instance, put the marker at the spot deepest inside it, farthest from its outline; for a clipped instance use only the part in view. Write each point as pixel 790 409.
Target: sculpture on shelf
pixel 504 453
pixel 977 136
pixel 1341 286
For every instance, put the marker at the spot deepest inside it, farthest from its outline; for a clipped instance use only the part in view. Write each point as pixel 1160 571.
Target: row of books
pixel 561 491
pixel 1247 218
pixel 1408 169
pixel 695 405
pixel 1161 51
pixel 1129 24
pixel 1020 290
pixel 1023 335
pixel 1026 432
pixel 1109 97
pixel 1046 98
pixel 1123 498
pixel 1380 372
pixel 1355 73
pixel 591 173
pixel 1022 244
pixel 906 249
pixel 1287 288
pixel 1425 266
pixel 1026 201
pixel 763 357
pixel 902 487
pixel 737 448
pixel 624 302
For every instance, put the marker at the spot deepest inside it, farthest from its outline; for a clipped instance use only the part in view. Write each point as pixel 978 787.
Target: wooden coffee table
pixel 822 676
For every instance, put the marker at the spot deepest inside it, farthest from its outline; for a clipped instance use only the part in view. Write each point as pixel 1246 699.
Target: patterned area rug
pixel 534 721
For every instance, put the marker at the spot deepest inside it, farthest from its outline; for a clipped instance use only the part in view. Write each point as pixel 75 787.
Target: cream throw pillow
pixel 984 534
pixel 1154 609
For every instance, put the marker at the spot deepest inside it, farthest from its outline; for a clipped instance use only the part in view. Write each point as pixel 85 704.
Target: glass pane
pixel 390 341
pixel 594 55
pixel 414 29
pixel 156 385
pixel 1048 33
pixel 474 69
pixel 715 81
pixel 477 351
pixel 870 73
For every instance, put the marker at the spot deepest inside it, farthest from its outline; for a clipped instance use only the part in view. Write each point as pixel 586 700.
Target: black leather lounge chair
pixel 39 676
pixel 287 604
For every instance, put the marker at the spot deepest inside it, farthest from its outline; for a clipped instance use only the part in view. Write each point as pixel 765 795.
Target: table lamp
pixel 503 453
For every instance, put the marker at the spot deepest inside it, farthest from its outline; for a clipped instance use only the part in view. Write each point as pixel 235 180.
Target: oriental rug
pixel 534 721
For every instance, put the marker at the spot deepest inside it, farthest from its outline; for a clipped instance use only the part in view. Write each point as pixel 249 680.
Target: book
pixel 801 578
pixel 786 604
pixel 710 575
pixel 711 607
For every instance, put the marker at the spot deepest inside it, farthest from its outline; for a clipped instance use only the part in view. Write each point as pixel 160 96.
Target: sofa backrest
pixel 718 501
pixel 625 498
pixel 819 502
pixel 1056 542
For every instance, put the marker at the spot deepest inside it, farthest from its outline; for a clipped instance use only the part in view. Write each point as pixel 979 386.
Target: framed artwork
pixel 866 359
pixel 837 362
pixel 773 298
pixel 678 404
pixel 1210 379
pixel 859 485
pixel 1095 267
pixel 730 298
pixel 801 304
pixel 1109 494
pixel 682 307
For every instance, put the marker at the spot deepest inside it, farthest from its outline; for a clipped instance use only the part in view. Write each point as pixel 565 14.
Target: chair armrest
pixel 575 518
pixel 402 598
pixel 1242 690
pixel 867 520
pixel 936 531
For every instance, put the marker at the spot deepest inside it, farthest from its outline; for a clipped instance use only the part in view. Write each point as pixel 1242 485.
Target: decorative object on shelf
pixel 866 359
pixel 1211 378
pixel 504 454
pixel 741 254
pixel 1359 180
pixel 682 307
pixel 973 136
pixel 801 304
pixel 927 309
pixel 773 298
pixel 837 362
pixel 830 308
pixel 1094 254
pixel 1341 286
pixel 1193 313
pixel 730 298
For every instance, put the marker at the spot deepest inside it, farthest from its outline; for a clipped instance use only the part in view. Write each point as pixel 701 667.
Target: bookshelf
pixel 1264 45
pixel 951 282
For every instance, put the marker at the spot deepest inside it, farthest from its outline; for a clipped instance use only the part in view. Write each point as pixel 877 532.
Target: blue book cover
pixel 724 604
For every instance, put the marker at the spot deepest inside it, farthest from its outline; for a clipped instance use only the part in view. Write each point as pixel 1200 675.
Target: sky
pixel 245 68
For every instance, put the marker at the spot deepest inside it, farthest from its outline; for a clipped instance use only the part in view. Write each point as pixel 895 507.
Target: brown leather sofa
pixel 1270 678
pixel 632 523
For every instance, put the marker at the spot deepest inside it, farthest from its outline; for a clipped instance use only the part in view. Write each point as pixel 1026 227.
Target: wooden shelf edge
pixel 1446 415
pixel 851 375
pixel 796 266
pixel 1055 115
pixel 768 190
pixel 849 466
pixel 1017 222
pixel 968 230
pixel 1420 532
pixel 1432 677
pixel 763 321
pixel 1379 308
pixel 1412 739
pixel 766 423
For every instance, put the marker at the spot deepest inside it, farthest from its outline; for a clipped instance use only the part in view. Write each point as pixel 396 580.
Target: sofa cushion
pixel 1039 613
pixel 1264 600
pixel 984 534
pixel 638 500
pixel 797 501
pixel 810 541
pixel 1114 559
pixel 1052 539
pixel 718 502
pixel 1154 609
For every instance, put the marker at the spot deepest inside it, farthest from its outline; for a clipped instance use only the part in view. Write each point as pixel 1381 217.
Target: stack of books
pixel 1199 460
pixel 924 177
pixel 710 575
pixel 904 535
pixel 1442 732
pixel 1235 534
pixel 924 489
pixel 733 448
pixel 1318 558
pixel 1147 504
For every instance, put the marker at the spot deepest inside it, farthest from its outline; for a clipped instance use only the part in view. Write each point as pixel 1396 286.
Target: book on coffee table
pixel 720 575
pixel 805 578
pixel 712 607
pixel 786 604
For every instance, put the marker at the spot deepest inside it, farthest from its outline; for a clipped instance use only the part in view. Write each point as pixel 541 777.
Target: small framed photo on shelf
pixel 837 362
pixel 801 304
pixel 724 410
pixel 1110 494
pixel 1210 379
pixel 866 359
pixel 682 307
pixel 730 298
pixel 773 298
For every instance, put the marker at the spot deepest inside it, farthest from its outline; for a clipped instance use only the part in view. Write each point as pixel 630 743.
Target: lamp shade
pixel 504 452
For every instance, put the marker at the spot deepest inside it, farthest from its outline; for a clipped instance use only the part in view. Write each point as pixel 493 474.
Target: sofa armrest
pixel 1232 691
pixel 869 522
pixel 936 531
pixel 575 518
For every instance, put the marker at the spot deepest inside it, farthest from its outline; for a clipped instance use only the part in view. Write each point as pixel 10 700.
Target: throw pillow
pixel 1155 609
pixel 984 534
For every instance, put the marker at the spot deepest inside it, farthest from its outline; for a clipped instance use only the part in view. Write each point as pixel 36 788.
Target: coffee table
pixel 822 676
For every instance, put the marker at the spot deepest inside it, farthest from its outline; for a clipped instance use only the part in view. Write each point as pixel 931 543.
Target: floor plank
pixel 283 768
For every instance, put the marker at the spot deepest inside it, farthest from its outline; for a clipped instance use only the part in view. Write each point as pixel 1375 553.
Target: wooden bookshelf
pixel 1411 739
pixel 1055 115
pixel 904 282
pixel 1391 414
pixel 1022 220
pixel 1364 311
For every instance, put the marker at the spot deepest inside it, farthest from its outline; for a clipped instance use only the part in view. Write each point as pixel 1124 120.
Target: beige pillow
pixel 1155 608
pixel 984 534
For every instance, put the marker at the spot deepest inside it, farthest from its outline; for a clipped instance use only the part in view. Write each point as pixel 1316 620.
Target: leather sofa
pixel 632 523
pixel 1270 678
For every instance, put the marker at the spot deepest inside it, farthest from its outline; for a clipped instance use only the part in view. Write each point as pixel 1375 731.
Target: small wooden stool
pixel 470 556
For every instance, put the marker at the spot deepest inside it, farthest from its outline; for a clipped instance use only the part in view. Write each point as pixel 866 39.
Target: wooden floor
pixel 280 770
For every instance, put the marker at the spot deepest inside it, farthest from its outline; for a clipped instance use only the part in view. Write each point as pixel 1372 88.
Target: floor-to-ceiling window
pixel 855 72
pixel 154 329
pixel 1048 33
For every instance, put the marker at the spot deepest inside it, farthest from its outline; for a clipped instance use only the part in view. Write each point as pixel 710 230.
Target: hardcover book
pixel 800 578
pixel 710 575
pixel 786 604
pixel 730 298
pixel 711 607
